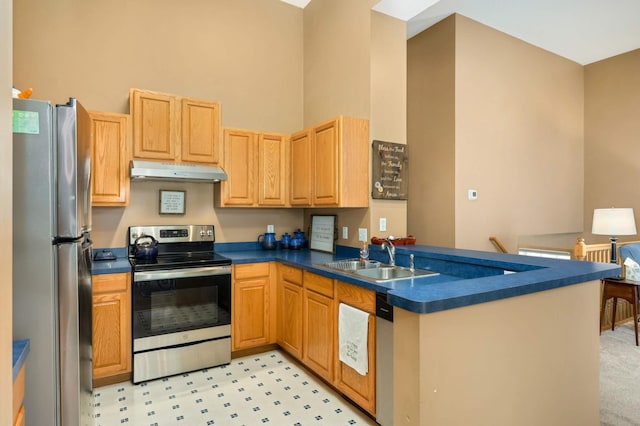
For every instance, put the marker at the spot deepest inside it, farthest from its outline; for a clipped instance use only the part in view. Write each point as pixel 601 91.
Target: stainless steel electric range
pixel 181 300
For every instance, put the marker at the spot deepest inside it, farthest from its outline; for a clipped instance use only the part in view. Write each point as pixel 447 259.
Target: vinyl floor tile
pixel 264 389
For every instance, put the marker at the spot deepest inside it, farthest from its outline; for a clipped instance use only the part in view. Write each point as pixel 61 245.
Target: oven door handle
pixel 182 273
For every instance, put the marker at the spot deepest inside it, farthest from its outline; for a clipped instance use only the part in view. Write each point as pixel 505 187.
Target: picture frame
pixel 322 233
pixel 172 202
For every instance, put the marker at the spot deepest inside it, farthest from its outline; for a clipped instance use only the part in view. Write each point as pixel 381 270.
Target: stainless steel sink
pixel 374 270
pixel 387 273
pixel 349 265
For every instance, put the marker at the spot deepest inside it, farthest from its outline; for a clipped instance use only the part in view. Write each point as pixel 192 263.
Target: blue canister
pixel 285 241
pixel 300 236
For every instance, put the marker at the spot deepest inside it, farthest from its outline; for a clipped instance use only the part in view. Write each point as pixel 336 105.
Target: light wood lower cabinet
pixel 307 322
pixel 289 331
pixel 111 326
pixel 18 397
pixel 318 325
pixel 253 302
pixel 20 418
pixel 360 389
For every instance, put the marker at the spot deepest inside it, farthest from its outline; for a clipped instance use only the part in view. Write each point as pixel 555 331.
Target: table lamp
pixel 613 222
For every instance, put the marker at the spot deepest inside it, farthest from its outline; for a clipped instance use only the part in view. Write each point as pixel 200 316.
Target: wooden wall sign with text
pixel 390 171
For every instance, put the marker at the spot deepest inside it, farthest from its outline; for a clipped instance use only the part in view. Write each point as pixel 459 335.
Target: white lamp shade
pixel 613 222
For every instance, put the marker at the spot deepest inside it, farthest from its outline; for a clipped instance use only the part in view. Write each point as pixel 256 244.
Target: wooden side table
pixel 624 289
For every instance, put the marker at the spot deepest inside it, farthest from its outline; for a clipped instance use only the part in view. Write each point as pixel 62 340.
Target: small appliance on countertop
pixel 104 254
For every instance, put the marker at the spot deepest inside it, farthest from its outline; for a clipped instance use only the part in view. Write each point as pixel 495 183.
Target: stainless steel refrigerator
pixel 52 258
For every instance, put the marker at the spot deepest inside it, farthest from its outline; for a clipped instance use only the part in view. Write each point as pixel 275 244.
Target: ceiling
pixel 584 31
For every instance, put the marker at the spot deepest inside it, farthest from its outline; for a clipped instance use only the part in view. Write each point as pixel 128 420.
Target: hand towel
pixel 353 328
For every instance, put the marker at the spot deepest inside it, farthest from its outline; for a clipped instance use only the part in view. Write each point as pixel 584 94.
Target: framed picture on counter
pixel 172 202
pixel 323 233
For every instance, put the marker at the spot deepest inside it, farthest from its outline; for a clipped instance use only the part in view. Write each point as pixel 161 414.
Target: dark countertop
pixel 466 277
pixel 21 349
pixel 119 265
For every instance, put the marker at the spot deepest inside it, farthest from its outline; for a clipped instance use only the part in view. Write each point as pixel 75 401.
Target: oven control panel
pixel 174 233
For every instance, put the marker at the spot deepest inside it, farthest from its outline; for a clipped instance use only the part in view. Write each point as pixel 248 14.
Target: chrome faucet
pixel 412 265
pixel 391 249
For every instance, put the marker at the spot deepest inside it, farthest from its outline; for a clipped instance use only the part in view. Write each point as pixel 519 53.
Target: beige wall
pixel 337 38
pixel 388 110
pixel 471 366
pixel 612 126
pixel 431 132
pixel 357 66
pixel 271 65
pixel 6 167
pixel 247 54
pixel 518 133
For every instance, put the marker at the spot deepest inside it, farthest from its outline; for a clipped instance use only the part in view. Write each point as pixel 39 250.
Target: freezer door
pixel 35 296
pixel 74 294
pixel 73 133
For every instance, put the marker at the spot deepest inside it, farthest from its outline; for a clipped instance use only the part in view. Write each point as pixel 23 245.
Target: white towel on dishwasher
pixel 353 328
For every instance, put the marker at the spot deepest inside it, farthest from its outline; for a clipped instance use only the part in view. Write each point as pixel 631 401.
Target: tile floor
pixel 261 389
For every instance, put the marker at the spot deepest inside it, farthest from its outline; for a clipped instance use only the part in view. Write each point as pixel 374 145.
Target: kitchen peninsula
pixel 493 339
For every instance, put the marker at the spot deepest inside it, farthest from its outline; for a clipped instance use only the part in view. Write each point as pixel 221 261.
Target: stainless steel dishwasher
pixel 384 360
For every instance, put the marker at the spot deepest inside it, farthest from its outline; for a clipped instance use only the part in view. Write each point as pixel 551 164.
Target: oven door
pixel 180 306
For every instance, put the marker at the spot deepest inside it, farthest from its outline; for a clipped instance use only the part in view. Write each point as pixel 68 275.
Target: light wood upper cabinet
pixel 330 164
pixel 175 128
pixel 300 186
pixel 326 154
pixel 156 125
pixel 200 131
pixel 109 159
pixel 239 163
pixel 272 169
pixel 255 163
pixel 111 327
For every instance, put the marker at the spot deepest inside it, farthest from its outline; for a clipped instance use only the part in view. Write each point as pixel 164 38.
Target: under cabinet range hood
pixel 152 170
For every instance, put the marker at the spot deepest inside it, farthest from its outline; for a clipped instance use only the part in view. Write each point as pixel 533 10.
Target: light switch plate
pixel 362 234
pixel 383 224
pixel 345 232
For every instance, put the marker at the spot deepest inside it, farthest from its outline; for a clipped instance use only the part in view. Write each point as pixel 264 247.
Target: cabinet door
pixel 20 417
pixel 155 125
pixel 361 389
pixel 250 313
pixel 301 173
pixel 327 170
pixel 109 159
pixel 200 131
pixel 111 325
pixel 290 318
pixel 239 160
pixel 318 333
pixel 272 170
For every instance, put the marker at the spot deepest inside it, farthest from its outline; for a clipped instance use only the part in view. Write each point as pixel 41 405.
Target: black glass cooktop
pixel 179 260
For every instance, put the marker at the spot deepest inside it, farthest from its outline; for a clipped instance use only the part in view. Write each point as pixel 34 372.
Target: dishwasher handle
pixel 383 308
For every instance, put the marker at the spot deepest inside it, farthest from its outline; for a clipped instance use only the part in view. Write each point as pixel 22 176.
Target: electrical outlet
pixel 383 224
pixel 362 234
pixel 345 233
